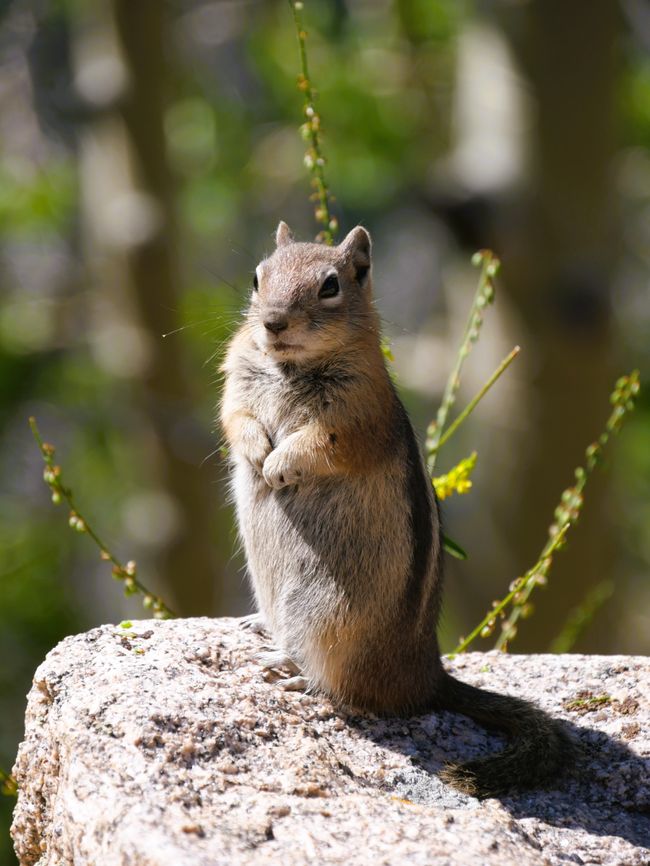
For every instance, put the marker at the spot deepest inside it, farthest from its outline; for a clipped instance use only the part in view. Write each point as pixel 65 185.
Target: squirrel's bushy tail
pixel 541 749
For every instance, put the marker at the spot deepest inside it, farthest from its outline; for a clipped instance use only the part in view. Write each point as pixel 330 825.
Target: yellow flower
pixel 386 350
pixel 457 479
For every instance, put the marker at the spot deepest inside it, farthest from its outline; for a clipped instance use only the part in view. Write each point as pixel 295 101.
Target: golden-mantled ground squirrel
pixel 338 517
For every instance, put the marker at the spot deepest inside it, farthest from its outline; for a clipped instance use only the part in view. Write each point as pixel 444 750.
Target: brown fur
pixel 337 514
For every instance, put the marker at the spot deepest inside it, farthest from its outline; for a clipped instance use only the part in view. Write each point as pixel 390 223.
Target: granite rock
pixel 163 745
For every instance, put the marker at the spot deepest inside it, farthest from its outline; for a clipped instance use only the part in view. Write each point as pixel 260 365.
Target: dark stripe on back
pixel 421 502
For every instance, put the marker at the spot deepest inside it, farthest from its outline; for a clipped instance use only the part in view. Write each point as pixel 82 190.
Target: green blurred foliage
pixel 36 200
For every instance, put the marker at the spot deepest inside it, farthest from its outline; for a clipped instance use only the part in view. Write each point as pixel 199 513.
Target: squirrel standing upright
pixel 338 516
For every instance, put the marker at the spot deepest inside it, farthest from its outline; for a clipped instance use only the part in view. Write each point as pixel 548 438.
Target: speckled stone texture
pixel 163 745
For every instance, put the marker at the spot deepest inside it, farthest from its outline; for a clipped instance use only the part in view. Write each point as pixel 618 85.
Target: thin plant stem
pixel 565 516
pixel 484 295
pixel 473 403
pixel 125 573
pixel 572 499
pixel 486 625
pixel 311 132
pixel 580 617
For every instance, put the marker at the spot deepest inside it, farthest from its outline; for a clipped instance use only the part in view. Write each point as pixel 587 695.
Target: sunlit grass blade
pixel 453 548
pixel 473 403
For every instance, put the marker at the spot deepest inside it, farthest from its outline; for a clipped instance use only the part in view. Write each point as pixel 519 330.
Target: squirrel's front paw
pixel 279 471
pixel 255 446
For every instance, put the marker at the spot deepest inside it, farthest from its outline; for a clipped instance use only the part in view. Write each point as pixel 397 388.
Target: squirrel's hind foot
pixel 254 623
pixel 270 657
pixel 273 659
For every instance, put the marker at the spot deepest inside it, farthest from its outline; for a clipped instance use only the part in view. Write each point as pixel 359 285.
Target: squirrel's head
pixel 310 299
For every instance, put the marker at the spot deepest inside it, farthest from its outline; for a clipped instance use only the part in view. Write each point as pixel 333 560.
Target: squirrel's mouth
pixel 280 346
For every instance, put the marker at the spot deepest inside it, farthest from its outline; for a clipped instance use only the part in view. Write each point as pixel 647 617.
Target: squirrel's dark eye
pixel 330 287
pixel 256 284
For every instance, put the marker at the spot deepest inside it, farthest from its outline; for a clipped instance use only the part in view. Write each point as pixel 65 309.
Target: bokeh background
pixel 147 151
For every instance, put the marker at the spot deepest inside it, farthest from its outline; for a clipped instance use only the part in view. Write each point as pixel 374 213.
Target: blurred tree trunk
pixel 121 73
pixel 558 274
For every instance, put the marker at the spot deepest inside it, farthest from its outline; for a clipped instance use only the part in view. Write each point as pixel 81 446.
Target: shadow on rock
pixel 607 793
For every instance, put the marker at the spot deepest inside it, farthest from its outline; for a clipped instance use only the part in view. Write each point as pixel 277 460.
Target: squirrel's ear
pixel 357 244
pixel 357 247
pixel 283 234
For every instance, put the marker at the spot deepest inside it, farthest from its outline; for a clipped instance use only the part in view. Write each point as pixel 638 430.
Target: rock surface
pixel 162 745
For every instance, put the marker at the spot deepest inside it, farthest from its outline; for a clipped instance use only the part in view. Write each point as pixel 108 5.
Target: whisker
pixel 238 250
pixel 184 327
pixel 229 326
pixel 221 344
pixel 213 355
pixel 221 279
pixel 211 454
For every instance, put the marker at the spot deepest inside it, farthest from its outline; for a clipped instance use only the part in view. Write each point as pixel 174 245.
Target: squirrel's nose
pixel 275 323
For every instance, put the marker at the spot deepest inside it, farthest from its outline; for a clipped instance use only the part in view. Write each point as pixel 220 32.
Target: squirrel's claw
pixel 254 623
pixel 276 658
